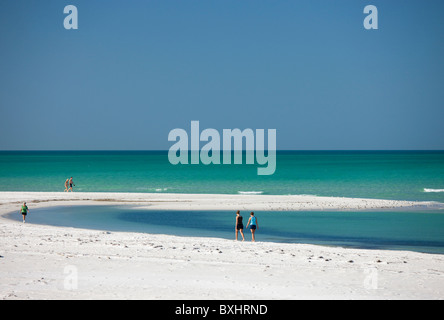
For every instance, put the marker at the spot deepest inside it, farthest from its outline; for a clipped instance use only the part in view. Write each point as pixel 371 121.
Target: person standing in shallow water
pixel 239 226
pixel 252 222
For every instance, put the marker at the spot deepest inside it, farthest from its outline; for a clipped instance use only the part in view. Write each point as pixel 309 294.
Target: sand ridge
pixel 46 262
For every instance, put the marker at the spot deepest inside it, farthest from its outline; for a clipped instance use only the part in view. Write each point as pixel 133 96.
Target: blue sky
pixel 134 70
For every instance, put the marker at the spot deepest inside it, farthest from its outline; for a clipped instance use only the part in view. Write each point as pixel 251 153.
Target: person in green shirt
pixel 24 211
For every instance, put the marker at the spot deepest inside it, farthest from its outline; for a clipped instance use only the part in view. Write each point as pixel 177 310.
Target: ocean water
pixel 413 230
pixel 398 175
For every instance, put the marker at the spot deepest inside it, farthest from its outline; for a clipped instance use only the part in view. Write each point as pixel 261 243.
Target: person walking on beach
pixel 66 185
pixel 24 211
pixel 71 184
pixel 252 222
pixel 239 226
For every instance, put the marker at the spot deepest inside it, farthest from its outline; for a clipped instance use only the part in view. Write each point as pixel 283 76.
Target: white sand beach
pixel 47 262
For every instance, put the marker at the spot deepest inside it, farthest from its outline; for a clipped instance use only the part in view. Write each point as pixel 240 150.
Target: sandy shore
pixel 44 262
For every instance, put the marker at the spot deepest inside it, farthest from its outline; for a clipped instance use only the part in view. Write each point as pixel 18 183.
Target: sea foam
pixel 433 190
pixel 250 192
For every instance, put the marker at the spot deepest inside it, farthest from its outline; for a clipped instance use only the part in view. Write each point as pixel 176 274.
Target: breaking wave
pixel 250 192
pixel 433 190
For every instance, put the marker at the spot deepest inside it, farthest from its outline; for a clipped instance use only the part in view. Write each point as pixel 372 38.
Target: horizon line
pixel 167 150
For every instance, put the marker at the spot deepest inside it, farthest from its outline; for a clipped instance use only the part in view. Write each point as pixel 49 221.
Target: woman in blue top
pixel 252 222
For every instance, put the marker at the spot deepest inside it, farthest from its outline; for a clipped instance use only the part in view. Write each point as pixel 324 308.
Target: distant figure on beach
pixel 252 222
pixel 71 184
pixel 239 226
pixel 24 211
pixel 66 185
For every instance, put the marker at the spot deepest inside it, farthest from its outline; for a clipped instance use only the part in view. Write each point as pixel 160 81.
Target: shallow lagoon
pixel 419 230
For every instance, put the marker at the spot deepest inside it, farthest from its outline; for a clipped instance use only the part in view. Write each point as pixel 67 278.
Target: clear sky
pixel 134 70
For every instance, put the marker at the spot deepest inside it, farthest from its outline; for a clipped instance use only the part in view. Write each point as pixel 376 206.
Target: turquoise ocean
pixel 396 175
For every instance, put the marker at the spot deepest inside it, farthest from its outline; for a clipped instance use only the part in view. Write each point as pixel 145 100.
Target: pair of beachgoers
pixel 69 183
pixel 252 223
